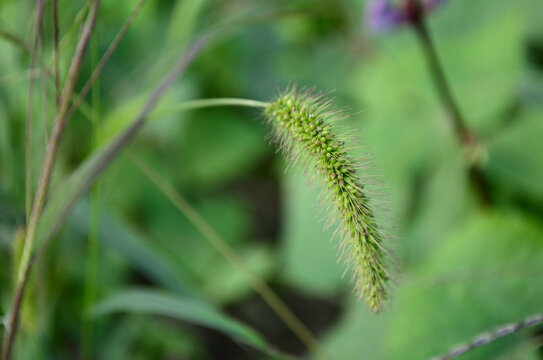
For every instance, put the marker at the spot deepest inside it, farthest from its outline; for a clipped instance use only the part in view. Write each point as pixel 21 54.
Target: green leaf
pixel 483 276
pixel 310 253
pixel 407 127
pixel 152 302
pixel 515 159
pixel 224 283
pixel 183 21
pixel 218 145
pixel 138 338
pixel 359 331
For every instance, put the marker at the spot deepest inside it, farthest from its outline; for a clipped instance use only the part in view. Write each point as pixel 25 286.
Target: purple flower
pixel 383 15
pixel 430 4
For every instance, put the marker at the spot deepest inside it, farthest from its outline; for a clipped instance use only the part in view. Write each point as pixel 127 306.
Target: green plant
pixel 195 219
pixel 303 127
pixel 357 218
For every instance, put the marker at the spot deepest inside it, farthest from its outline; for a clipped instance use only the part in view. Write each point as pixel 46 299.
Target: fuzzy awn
pixel 302 123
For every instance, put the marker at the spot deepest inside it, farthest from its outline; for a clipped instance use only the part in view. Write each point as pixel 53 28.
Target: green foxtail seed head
pixel 302 123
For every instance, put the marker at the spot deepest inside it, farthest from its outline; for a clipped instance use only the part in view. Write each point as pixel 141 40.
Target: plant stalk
pixel 43 184
pixel 465 136
pixel 207 103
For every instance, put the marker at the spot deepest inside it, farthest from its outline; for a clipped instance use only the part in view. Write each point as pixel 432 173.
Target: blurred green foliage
pixel 461 269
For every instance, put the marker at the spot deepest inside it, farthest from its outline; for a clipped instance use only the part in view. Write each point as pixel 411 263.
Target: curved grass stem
pixel 267 294
pixel 207 103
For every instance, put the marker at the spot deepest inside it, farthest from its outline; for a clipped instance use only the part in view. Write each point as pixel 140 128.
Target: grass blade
pixel 79 182
pixel 153 302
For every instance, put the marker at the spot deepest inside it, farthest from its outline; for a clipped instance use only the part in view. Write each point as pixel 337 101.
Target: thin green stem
pixel 268 295
pixel 465 136
pixel 207 103
pixel 93 250
pixel 440 81
pixel 28 134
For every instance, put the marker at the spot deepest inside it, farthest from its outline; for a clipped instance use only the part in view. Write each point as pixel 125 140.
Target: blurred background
pixel 462 268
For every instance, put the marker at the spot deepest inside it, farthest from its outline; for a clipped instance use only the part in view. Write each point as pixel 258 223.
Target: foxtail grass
pixel 304 127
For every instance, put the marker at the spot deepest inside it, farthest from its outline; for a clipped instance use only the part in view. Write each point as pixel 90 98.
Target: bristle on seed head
pixel 302 122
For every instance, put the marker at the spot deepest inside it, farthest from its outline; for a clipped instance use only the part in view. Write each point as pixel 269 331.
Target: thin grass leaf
pixel 62 201
pixel 183 22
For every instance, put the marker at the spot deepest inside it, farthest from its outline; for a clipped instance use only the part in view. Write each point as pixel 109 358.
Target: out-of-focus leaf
pixel 309 251
pixel 483 276
pixel 360 331
pixel 65 197
pixel 183 21
pixel 138 338
pixel 151 302
pixel 143 255
pixel 81 179
pixel 225 283
pixel 482 81
pixel 218 145
pixel 516 156
pixel 163 129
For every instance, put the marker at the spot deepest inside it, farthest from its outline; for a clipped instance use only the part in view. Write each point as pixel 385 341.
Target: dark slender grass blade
pixel 65 197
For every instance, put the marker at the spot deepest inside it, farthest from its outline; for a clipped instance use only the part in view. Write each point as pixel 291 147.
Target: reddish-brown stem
pixel 465 136
pixel 43 184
